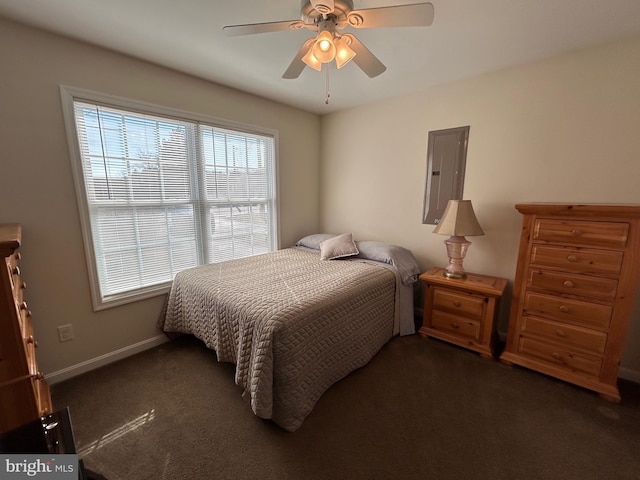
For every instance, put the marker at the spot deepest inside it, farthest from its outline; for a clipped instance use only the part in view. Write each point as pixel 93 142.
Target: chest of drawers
pixel 574 289
pixel 24 393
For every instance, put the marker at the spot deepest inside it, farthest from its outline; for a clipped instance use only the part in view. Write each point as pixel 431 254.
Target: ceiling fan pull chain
pixel 326 99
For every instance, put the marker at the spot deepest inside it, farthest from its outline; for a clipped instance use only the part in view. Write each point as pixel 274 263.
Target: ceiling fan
pixel 328 18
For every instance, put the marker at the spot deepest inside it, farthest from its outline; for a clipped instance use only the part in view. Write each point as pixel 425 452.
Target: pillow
pixel 314 241
pixel 401 258
pixel 338 247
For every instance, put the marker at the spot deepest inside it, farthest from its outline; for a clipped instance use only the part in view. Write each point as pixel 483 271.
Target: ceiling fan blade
pixel 416 15
pixel 297 65
pixel 251 28
pixel 366 60
pixel 323 6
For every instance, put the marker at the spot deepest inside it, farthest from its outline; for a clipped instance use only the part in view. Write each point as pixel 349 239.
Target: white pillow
pixel 314 241
pixel 338 247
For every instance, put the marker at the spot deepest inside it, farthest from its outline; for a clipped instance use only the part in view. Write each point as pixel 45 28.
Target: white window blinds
pixel 162 194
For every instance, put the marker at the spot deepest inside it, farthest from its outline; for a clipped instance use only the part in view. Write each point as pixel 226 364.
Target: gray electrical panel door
pixel 446 162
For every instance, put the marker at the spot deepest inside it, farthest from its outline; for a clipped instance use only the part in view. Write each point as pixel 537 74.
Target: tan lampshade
pixel 459 220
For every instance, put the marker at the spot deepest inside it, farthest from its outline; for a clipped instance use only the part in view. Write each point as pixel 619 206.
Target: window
pixel 160 191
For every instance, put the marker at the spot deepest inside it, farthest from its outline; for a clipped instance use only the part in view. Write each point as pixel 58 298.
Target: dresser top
pixel 604 210
pixel 10 237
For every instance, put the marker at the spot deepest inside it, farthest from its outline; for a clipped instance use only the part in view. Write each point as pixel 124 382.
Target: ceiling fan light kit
pixel 327 18
pixel 328 46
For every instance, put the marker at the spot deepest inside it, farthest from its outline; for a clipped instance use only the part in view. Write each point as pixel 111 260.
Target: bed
pixel 296 320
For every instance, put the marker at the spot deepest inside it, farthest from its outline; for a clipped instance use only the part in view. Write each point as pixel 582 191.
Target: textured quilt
pixel 291 323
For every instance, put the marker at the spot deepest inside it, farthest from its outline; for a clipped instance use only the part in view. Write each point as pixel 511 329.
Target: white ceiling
pixel 467 38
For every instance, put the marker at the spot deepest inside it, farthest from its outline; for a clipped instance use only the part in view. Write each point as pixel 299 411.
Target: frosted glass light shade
pixel 324 49
pixel 312 61
pixel 344 53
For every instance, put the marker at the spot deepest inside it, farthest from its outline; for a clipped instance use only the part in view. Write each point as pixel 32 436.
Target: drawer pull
pixel 23 306
pixel 556 355
pixel 572 258
pixel 576 232
pixel 561 333
pixel 456 303
pixel 564 308
pixel 31 339
pixel 455 325
pixel 16 270
pixel 569 284
pixel 23 285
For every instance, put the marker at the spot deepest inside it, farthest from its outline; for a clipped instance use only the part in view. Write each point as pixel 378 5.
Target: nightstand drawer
pixel 601 234
pixel 579 260
pixel 561 356
pixel 461 304
pixel 580 285
pixel 587 314
pixel 584 338
pixel 458 325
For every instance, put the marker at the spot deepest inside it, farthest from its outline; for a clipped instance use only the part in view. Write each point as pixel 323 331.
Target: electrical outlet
pixel 65 333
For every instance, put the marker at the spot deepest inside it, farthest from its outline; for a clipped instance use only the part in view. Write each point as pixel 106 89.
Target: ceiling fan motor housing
pixel 341 9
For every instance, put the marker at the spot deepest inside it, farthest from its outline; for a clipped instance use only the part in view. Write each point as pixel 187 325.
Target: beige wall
pixel 560 130
pixel 563 130
pixel 37 186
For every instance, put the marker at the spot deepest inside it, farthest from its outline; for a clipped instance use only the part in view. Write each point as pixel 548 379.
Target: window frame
pixel 69 95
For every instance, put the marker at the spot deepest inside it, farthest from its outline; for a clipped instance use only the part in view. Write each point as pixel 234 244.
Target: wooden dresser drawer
pixel 458 303
pixel 43 396
pixel 14 269
pixel 567 232
pixel 580 285
pixel 24 314
pixel 561 356
pixel 459 325
pixel 576 312
pixel 593 341
pixel 30 348
pixel 606 262
pixel 24 399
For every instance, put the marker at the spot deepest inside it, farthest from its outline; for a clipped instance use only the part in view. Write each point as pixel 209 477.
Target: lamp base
pixel 448 274
pixel 457 247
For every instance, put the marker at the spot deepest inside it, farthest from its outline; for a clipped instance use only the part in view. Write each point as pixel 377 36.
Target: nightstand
pixel 462 311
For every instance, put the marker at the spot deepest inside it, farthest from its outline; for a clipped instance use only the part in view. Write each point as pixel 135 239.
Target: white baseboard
pixel 628 374
pixel 102 360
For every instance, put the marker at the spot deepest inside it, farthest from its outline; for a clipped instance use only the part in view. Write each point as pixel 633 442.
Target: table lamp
pixel 458 221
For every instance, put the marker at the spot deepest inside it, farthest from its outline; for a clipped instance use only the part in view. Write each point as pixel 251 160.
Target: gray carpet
pixel 421 409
